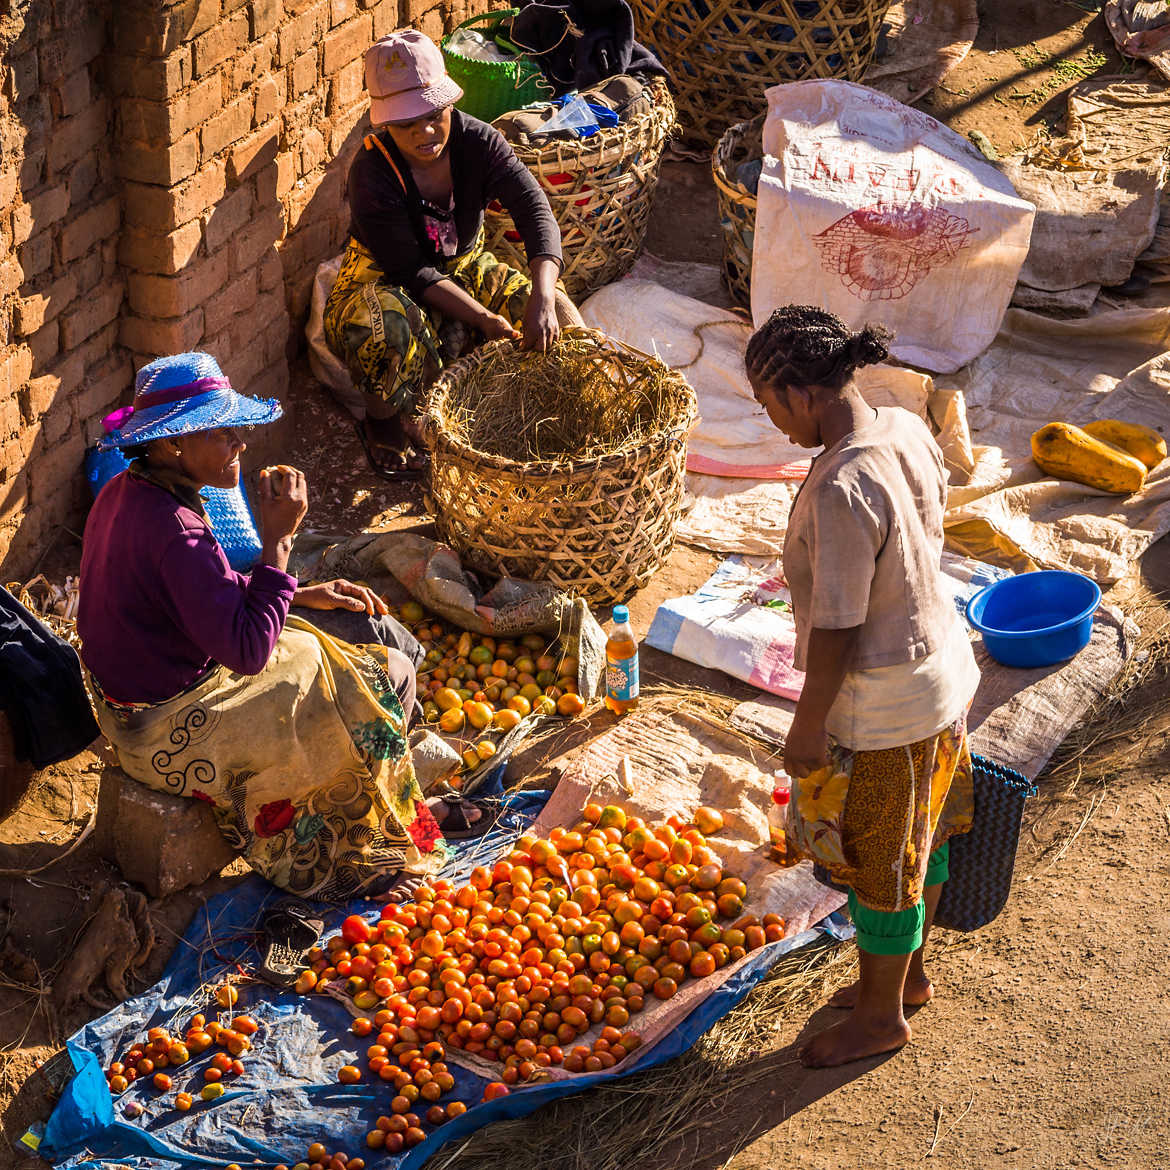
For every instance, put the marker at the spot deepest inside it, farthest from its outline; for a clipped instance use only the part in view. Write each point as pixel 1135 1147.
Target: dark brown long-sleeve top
pixel 386 219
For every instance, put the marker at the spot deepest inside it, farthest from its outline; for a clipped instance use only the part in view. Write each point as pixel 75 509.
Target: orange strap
pixel 372 140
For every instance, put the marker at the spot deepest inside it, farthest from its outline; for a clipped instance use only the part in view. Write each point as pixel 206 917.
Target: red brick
pixel 270 272
pixel 172 296
pixel 252 64
pixel 152 121
pixel 340 11
pixel 10 420
pixel 83 177
pixel 159 209
pixel 149 335
pixel 286 173
pixel 303 73
pixel 228 217
pixel 9 188
pixel 32 312
pixel 277 335
pixel 347 42
pixel 229 126
pixel 21 82
pixel 156 80
pixel 386 18
pixel 270 96
pixel 44 345
pixel 255 152
pixel 256 239
pixel 152 162
pixel 162 251
pixel 11 276
pixel 349 127
pixel 90 228
pixel 264 15
pixel 312 150
pixel 220 42
pixel 58 420
pixel 73 137
pixel 349 86
pixel 72 51
pixel 238 297
pixel 91 314
pixel 101 392
pixel 73 92
pixel 302 33
pixel 154 30
pixel 39 213
pixel 37 255
pixel 58 465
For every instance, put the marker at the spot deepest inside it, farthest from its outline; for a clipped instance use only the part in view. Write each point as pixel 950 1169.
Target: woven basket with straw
pixel 723 54
pixel 601 190
pixel 565 467
pixel 741 144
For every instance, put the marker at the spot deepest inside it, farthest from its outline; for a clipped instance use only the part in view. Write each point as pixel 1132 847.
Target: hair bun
pixel 870 345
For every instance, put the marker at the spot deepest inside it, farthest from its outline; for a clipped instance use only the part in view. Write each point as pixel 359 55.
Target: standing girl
pixel 878 755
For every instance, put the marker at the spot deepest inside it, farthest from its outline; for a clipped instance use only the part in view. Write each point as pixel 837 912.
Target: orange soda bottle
pixel 621 664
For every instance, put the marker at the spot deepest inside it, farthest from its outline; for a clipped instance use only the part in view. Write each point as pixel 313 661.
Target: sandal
pixel 393 472
pixel 290 928
pixel 456 826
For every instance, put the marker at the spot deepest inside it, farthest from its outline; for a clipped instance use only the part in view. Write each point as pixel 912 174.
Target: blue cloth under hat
pixel 179 395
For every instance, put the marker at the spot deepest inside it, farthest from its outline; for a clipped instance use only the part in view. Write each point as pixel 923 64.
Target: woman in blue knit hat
pixel 208 686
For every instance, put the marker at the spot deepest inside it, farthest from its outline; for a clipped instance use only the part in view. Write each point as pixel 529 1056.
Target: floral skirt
pixel 305 764
pixel 391 344
pixel 872 818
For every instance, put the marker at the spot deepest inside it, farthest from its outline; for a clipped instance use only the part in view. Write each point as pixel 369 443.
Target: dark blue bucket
pixel 1035 619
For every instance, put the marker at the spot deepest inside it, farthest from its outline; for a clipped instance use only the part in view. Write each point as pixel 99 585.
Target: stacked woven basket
pixel 743 143
pixel 566 467
pixel 723 54
pixel 601 190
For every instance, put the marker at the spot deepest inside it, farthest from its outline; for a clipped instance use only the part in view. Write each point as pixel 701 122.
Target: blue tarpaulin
pixel 288 1095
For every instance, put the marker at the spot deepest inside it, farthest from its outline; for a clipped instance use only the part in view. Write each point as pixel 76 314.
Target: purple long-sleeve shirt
pixel 159 602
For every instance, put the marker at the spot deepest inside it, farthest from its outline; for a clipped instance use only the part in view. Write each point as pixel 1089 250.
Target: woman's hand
pixel 494 327
pixel 806 748
pixel 283 500
pixel 340 594
pixel 541 327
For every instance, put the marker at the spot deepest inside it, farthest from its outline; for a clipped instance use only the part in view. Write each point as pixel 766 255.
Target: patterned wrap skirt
pixel 305 765
pixel 390 344
pixel 872 818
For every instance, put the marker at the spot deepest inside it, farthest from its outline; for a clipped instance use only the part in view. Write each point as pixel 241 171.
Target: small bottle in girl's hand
pixel 777 818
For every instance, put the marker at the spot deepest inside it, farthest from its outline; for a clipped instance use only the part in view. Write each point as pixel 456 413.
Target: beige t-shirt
pixel 890 706
pixel 864 543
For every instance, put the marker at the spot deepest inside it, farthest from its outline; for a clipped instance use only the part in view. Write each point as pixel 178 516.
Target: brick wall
pixel 171 174
pixel 61 291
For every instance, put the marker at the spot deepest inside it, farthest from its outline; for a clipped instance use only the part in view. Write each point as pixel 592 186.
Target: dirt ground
pixel 1045 1046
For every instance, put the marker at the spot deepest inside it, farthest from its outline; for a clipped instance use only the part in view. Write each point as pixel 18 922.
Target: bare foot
pixel 852 1039
pixel 915 992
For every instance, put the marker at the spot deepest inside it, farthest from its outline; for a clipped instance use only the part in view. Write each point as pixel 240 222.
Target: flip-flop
pixel 290 927
pixel 456 826
pixel 402 473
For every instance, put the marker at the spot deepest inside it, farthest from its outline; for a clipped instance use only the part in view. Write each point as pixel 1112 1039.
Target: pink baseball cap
pixel 407 78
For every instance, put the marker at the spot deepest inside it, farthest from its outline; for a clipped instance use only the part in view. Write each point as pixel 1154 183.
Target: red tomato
pixel 355 929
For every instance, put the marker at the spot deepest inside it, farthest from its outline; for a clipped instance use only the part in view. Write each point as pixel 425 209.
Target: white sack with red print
pixel 879 213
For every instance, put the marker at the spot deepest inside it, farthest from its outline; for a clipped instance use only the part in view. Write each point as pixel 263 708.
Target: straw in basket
pixel 723 54
pixel 601 190
pixel 737 204
pixel 566 466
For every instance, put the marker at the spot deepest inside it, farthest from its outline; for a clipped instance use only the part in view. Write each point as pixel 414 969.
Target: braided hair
pixel 801 345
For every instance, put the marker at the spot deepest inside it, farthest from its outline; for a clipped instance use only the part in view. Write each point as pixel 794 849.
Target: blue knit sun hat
pixel 178 395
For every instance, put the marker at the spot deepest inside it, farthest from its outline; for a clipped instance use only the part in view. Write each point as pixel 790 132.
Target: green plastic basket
pixel 492 88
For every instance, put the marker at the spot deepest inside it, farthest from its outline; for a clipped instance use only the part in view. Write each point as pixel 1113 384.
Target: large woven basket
pixel 737 204
pixel 598 527
pixel 601 190
pixel 723 54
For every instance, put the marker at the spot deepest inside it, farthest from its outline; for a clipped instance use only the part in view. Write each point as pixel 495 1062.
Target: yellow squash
pixel 1142 443
pixel 1067 452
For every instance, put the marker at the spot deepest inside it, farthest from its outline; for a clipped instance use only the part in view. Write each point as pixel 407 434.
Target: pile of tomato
pixel 161 1051
pixel 472 686
pixel 562 936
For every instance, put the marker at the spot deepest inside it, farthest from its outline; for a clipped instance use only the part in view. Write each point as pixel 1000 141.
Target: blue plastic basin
pixel 1035 619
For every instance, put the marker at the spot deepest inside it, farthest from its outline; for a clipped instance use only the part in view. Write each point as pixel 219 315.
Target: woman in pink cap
pixel 415 279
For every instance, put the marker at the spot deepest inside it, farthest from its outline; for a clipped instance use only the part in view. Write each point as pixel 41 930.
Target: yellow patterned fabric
pixel 305 765
pixel 390 343
pixel 872 818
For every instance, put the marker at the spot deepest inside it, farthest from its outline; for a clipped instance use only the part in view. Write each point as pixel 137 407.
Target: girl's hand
pixel 806 749
pixel 541 327
pixel 340 594
pixel 494 327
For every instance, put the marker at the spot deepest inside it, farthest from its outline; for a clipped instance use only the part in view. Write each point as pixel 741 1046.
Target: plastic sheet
pixel 289 1095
